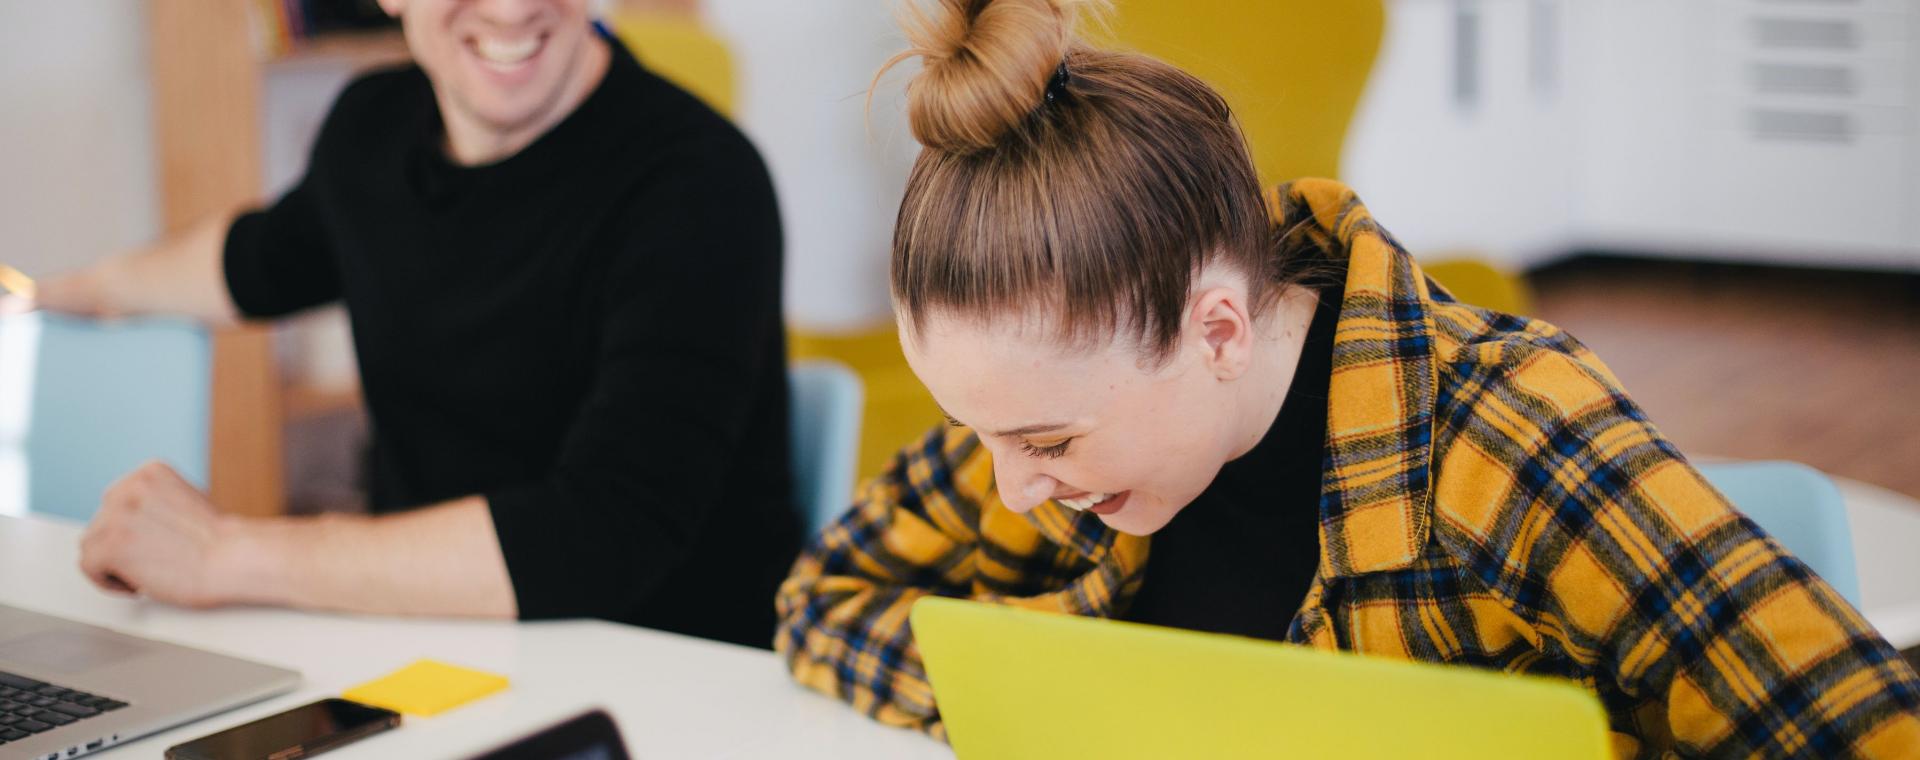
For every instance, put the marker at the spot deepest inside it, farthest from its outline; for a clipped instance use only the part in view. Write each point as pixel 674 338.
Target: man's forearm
pixel 437 560
pixel 179 275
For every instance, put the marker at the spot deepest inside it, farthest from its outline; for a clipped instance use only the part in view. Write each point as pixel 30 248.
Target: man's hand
pixel 81 293
pixel 158 536
pixel 180 275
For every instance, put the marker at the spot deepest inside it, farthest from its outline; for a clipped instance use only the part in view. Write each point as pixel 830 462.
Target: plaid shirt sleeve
pixel 1670 603
pixel 933 524
pixel 843 609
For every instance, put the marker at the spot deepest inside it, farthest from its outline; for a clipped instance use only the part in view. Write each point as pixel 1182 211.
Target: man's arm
pixel 261 263
pixel 158 536
pixel 180 274
pixel 438 560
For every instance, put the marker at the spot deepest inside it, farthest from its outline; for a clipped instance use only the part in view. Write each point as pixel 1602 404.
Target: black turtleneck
pixel 1239 558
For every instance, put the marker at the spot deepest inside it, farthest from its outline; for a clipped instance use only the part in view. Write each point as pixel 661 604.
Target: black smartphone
pixel 303 731
pixel 589 736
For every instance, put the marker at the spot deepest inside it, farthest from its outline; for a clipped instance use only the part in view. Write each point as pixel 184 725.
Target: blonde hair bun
pixel 986 66
pixel 1091 200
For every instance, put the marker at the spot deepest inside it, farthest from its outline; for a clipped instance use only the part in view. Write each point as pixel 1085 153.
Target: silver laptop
pixel 68 689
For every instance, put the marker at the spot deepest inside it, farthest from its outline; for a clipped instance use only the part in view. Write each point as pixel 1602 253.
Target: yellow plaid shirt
pixel 1491 498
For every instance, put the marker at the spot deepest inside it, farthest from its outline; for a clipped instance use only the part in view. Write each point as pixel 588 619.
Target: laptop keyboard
pixel 28 707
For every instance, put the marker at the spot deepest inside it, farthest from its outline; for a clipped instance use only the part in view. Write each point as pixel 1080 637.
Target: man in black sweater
pixel 563 276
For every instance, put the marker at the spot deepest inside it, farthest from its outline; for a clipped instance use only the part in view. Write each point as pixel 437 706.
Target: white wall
pixel 803 70
pixel 77 177
pixel 1488 175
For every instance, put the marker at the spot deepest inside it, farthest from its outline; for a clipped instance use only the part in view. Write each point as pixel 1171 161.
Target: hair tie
pixel 1057 86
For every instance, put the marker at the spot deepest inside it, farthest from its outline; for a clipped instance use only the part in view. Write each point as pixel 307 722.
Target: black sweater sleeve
pixel 279 260
pixel 276 259
pixel 692 301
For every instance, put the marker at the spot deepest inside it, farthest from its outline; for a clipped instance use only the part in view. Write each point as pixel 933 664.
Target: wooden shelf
pixel 206 117
pixel 361 50
pixel 305 401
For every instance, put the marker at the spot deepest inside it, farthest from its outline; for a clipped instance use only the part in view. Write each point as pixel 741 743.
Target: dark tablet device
pixel 591 736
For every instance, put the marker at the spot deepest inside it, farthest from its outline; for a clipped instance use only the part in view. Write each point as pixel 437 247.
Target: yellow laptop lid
pixel 1015 683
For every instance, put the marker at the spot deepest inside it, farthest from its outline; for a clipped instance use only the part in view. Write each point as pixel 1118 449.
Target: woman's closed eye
pixel 1042 450
pixel 1048 451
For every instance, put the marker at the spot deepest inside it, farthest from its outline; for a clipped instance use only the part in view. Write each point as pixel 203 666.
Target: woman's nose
pixel 1023 489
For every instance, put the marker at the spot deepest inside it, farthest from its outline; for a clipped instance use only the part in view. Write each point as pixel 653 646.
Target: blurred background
pixel 1721 197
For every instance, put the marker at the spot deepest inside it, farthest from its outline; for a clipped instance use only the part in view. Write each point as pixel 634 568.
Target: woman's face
pixel 1089 425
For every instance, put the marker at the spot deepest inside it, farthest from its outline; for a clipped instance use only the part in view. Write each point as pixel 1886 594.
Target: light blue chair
pixel 826 438
pixel 102 398
pixel 1801 508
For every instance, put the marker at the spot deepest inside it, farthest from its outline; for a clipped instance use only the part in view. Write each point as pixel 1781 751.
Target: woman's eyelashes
pixel 1049 451
pixel 1053 451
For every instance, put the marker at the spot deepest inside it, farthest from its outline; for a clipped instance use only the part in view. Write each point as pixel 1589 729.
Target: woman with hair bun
pixel 1177 400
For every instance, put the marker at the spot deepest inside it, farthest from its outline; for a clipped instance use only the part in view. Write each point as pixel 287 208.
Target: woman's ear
pixel 1220 327
pixel 393 8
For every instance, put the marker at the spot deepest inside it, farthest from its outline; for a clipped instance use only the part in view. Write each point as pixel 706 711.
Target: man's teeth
pixel 506 53
pixel 1084 503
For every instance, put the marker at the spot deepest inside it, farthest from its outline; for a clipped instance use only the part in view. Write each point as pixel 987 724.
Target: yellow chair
pixel 1292 70
pixel 678 48
pixel 1474 281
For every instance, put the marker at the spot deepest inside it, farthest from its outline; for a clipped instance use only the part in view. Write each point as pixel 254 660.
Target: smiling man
pixel 563 276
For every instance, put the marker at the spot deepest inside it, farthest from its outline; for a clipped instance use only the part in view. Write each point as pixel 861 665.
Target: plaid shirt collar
pixel 1375 503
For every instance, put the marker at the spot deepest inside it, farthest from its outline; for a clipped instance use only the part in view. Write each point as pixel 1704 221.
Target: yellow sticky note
pixel 426 688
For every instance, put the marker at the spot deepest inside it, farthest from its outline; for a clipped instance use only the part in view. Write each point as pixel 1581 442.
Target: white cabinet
pixel 1463 137
pixel 1762 130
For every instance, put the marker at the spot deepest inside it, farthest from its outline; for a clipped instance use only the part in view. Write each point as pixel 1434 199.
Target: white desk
pixel 1886 550
pixel 673 696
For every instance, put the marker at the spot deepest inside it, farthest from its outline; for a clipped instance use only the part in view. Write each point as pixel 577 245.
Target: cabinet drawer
pixel 1796 81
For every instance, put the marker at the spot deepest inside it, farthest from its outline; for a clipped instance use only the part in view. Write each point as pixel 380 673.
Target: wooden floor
pixel 1813 366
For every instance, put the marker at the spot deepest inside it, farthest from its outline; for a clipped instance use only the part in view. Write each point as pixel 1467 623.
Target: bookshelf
pixel 361 50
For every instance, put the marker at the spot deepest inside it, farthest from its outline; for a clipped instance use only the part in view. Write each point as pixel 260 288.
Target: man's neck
pixel 471 142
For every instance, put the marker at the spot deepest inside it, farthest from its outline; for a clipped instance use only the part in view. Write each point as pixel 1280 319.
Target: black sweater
pixel 1241 557
pixel 587 333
